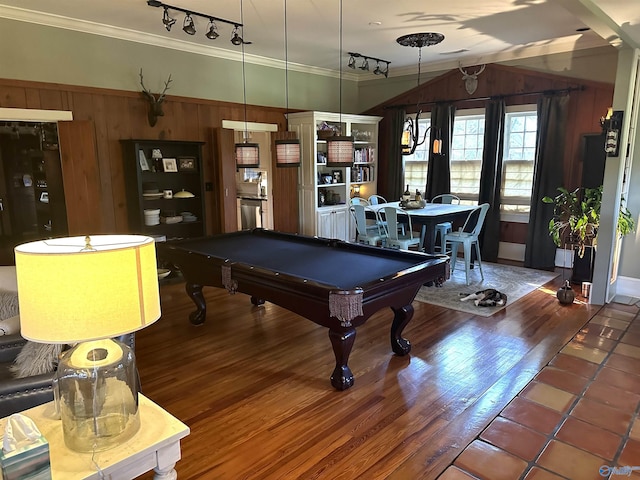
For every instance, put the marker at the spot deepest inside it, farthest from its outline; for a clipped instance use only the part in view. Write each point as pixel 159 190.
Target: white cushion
pixel 10 326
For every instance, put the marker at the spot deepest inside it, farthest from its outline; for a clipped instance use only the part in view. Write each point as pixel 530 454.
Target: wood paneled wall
pixel 586 106
pixel 117 115
pixel 94 184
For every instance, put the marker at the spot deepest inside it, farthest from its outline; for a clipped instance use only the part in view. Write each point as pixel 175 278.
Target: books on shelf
pixel 364 155
pixel 362 173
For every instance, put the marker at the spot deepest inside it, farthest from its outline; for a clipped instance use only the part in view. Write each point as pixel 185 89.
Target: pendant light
pixel 287 151
pixel 340 148
pixel 411 131
pixel 247 154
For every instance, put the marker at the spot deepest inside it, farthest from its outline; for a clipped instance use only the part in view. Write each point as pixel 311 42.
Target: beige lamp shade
pixel 339 151
pixel 247 155
pixel 288 153
pixel 71 292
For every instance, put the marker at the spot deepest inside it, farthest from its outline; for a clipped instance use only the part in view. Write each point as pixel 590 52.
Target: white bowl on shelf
pixel 163 273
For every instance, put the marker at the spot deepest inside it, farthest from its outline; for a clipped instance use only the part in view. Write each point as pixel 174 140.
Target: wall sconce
pixel 365 63
pixel 611 126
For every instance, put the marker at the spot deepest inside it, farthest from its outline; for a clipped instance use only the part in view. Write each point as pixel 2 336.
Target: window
pixel 467 142
pixel 467 145
pixel 521 128
pixel 415 166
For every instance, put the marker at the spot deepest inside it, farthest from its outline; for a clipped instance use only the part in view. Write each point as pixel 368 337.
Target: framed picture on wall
pixel 169 165
pixel 337 176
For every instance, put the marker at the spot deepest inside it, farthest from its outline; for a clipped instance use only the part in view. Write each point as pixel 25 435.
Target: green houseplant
pixel 576 217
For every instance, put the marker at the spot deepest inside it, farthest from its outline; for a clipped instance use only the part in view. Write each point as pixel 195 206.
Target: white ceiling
pixel 476 31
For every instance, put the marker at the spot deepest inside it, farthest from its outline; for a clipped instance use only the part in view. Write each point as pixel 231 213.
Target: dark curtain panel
pixel 390 160
pixel 439 171
pixel 491 178
pixel 547 177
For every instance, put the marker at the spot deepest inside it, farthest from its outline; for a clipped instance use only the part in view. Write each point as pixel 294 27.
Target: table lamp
pixel 84 291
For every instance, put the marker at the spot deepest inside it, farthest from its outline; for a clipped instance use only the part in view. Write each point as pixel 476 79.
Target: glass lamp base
pixel 97 384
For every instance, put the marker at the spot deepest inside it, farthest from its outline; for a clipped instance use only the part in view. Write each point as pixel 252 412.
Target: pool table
pixel 335 284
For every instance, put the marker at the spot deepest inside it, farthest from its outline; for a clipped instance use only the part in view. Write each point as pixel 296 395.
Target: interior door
pixel 225 216
pixel 81 177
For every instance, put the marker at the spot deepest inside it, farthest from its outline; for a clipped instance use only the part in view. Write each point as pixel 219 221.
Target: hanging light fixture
pixel 287 151
pixel 247 154
pixel 340 148
pixel 410 132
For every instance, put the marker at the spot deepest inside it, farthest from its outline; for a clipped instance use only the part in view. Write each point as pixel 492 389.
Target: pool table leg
pixel 342 343
pixel 195 293
pixel 401 318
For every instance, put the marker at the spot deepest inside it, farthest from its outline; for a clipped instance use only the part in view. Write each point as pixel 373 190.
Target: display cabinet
pixel 324 191
pixel 164 188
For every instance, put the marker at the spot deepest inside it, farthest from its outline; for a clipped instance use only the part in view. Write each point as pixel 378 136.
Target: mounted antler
pixel 155 105
pixel 471 79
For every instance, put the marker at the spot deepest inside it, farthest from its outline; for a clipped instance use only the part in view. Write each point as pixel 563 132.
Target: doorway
pixel 32 203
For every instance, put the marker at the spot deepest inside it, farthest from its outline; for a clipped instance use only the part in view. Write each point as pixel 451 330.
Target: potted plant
pixel 576 217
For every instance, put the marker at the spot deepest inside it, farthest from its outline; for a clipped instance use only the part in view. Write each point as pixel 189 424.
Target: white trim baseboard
pixel 628 286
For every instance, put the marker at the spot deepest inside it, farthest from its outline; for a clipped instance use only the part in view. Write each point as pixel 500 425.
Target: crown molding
pixel 119 33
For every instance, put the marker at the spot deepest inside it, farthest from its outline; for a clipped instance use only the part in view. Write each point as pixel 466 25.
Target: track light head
pixel 377 70
pixel 188 26
pixel 167 20
pixel 386 71
pixel 352 62
pixel 212 32
pixel 236 39
pixel 365 64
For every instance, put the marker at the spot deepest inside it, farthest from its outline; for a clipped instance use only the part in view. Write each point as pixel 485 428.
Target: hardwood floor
pixel 253 385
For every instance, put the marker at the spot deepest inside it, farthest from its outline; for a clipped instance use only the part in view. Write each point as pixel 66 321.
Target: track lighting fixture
pixel 167 20
pixel 365 63
pixel 212 31
pixel 189 25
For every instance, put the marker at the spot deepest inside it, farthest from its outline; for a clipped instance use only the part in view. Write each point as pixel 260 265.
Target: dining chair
pixel 396 237
pixel 369 233
pixel 445 227
pixel 467 235
pixel 377 199
pixel 359 201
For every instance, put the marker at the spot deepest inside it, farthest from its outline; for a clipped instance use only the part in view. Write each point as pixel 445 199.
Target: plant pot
pixel 583 266
pixel 565 294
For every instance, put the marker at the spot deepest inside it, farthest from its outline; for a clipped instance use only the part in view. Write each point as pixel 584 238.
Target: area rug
pixel 515 282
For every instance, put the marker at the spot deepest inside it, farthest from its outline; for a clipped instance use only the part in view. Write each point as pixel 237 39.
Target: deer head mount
pixel 471 79
pixel 155 104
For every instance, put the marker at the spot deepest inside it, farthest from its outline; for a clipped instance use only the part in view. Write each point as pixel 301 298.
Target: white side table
pixel 156 446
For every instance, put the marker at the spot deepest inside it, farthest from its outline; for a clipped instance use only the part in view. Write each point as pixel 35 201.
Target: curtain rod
pixel 492 97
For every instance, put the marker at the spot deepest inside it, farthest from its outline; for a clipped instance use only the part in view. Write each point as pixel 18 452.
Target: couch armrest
pixel 10 346
pixel 22 393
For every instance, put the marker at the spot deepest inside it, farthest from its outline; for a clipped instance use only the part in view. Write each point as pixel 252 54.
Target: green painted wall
pixel 46 54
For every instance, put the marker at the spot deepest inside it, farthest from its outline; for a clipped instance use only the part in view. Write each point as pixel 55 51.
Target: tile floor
pixel 577 419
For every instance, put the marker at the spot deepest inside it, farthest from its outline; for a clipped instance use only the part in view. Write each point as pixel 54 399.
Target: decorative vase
pixel 565 294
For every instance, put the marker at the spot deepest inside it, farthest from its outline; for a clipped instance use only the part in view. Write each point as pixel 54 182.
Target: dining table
pixel 427 217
